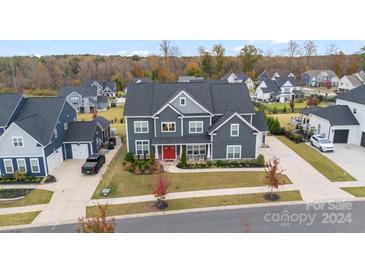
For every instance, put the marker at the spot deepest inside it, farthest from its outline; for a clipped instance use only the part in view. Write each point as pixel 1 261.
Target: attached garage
pixel 54 160
pixel 341 136
pixel 80 151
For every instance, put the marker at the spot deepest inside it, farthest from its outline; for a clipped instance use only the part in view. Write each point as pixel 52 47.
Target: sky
pixel 150 47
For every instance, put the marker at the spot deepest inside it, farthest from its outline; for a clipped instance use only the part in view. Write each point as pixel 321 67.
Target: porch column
pixel 156 151
pixel 208 154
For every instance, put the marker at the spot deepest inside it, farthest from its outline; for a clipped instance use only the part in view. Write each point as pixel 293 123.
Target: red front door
pixel 169 153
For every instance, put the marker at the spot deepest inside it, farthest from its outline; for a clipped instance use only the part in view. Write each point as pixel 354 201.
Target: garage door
pixel 54 160
pixel 80 151
pixel 341 136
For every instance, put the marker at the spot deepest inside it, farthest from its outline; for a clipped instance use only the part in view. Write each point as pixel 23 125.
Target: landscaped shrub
pixel 295 137
pixel 129 157
pixel 19 176
pixel 259 162
pixel 285 109
pixel 275 110
pixel 183 160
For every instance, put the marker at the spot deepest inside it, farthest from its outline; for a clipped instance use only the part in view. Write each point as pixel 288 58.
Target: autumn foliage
pixel 311 102
pixel 98 223
pixel 160 188
pixel 274 174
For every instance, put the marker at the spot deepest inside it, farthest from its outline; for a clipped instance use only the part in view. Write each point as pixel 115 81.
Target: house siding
pixel 132 137
pixel 27 161
pixel 168 115
pixel 186 121
pixel 246 138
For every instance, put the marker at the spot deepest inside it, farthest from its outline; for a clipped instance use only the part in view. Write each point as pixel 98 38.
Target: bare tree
pixel 165 49
pixel 218 51
pixel 293 51
pixel 310 49
pixel 331 49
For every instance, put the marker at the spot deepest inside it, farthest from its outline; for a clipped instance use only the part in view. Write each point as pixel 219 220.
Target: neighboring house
pixel 185 79
pixel 281 89
pixel 349 82
pixel 85 99
pixel 341 123
pixel 239 77
pixel 211 120
pixel 34 142
pixel 108 88
pixel 275 73
pixel 139 80
pixel 10 103
pixel 317 77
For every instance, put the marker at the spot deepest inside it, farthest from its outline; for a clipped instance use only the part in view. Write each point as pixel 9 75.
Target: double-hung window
pixel 235 130
pixel 196 150
pixel 18 142
pixel 34 165
pixel 233 152
pixel 22 167
pixel 142 147
pixel 196 127
pixel 182 101
pixel 8 165
pixel 141 127
pixel 168 127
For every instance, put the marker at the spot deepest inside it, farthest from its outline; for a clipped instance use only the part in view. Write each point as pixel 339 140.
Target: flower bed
pixel 13 193
pixel 27 180
pixel 259 162
pixel 142 166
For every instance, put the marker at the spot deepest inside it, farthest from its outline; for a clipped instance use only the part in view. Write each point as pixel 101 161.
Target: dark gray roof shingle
pixel 283 79
pixel 271 86
pixel 216 97
pixel 200 139
pixel 337 115
pixel 38 117
pixel 81 131
pixel 221 120
pixel 104 123
pixel 85 91
pixel 356 95
pixel 8 104
pixel 259 121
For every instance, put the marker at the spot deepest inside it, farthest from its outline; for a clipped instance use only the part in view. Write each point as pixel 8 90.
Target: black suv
pixel 93 164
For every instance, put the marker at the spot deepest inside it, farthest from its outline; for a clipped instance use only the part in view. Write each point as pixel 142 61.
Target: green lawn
pixel 284 118
pixel 35 197
pixel 124 183
pixel 18 218
pixel 329 169
pixel 280 106
pixel 357 191
pixel 256 198
pixel 115 114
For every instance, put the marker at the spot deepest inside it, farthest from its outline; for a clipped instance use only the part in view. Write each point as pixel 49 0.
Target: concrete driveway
pixel 72 192
pixel 313 186
pixel 351 158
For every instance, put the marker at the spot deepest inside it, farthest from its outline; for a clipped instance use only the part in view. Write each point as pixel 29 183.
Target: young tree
pixel 160 190
pixel 98 223
pixel 273 177
pixel 292 105
pixel 362 54
pixel 249 56
pixel 311 102
pixel 165 49
pixel 218 51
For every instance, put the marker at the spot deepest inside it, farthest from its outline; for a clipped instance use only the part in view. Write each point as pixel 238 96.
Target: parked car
pixel 322 143
pixel 93 164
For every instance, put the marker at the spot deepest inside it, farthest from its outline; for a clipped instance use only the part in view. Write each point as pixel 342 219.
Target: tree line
pixel 51 72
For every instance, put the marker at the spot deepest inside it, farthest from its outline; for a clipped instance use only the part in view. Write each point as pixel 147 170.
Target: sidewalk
pixel 190 194
pixel 22 209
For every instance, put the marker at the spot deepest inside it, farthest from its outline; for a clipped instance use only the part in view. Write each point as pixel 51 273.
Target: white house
pixel 349 82
pixel 341 123
pixel 281 89
pixel 317 77
pixel 239 77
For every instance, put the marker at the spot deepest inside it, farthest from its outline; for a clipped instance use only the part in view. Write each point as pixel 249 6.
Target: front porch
pixel 173 152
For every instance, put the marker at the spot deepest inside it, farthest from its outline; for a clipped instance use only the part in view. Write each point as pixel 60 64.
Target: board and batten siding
pixel 246 138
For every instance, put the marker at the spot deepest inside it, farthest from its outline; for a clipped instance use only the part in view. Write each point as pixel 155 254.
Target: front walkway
pixel 191 194
pixel 313 186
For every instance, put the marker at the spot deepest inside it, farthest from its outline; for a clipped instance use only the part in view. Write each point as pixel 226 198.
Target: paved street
pixel 330 218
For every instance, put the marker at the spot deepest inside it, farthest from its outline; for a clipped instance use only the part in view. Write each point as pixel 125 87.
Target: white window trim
pixel 12 166
pixel 195 122
pixel 194 148
pixel 31 166
pixel 233 146
pixel 142 132
pixel 25 164
pixel 55 133
pixel 17 141
pixel 238 130
pixel 65 126
pixel 183 98
pixel 135 146
pixel 162 123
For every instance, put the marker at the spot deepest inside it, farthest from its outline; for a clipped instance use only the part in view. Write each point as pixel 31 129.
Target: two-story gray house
pixel 213 120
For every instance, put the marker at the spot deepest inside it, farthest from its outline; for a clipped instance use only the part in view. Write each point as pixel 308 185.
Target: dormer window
pixel 18 142
pixel 182 101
